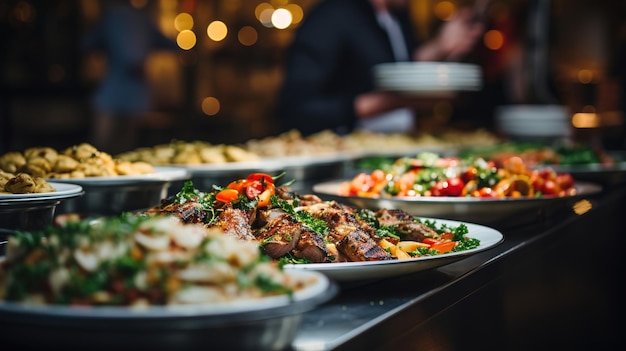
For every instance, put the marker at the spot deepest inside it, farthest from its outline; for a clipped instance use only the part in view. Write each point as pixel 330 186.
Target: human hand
pixel 455 38
pixel 374 103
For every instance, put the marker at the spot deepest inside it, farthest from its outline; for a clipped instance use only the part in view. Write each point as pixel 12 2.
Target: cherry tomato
pixel 439 188
pixel 486 192
pixel 565 180
pixel 455 187
pixel 469 174
pixel 253 189
pixel 227 195
pixel 550 187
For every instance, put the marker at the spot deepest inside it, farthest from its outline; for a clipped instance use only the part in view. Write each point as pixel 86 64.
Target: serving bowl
pixel 105 196
pixel 35 211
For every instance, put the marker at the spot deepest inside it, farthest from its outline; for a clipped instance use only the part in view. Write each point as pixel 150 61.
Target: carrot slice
pixel 445 246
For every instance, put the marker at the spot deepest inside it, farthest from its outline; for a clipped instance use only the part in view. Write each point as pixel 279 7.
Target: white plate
pixel 363 271
pixel 162 174
pixel 213 312
pixel 63 191
pixel 264 323
pixel 428 66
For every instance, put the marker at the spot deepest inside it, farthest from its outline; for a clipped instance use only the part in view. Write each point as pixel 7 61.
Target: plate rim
pixel 322 290
pixel 68 190
pixel 589 188
pixel 161 174
pixel 495 238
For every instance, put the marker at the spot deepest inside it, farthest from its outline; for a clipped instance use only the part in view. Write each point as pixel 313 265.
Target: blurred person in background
pixel 127 36
pixel 329 83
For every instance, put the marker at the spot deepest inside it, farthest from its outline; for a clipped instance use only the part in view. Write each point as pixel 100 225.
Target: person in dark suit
pixel 328 82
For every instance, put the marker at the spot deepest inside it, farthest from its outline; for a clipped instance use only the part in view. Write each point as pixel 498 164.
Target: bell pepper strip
pixel 227 195
pixel 237 184
pixel 444 246
pixel 265 196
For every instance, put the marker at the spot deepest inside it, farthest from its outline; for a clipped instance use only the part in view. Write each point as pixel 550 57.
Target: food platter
pixel 486 211
pixel 35 211
pixel 304 169
pixel 116 194
pixel 364 271
pixel 263 323
pixel 594 172
pixel 162 174
pixel 63 191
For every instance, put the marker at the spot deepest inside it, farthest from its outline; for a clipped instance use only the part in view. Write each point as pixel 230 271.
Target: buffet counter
pixel 552 282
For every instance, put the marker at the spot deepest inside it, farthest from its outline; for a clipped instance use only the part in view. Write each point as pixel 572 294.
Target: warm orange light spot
pixel 493 39
pixel 585 76
pixel 217 30
pixel 296 12
pixel 585 120
pixel 183 21
pixel 247 36
pixel 210 106
pixel 186 39
pixel 444 10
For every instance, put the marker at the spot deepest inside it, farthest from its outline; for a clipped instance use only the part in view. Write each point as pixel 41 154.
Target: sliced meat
pixel 359 246
pixel 405 224
pixel 353 238
pixel 266 216
pixel 235 222
pixel 286 193
pixel 188 212
pixel 282 235
pixel 311 246
pixel 279 236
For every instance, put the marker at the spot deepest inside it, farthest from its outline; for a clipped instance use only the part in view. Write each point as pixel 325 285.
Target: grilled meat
pixel 235 222
pixel 312 247
pixel 288 194
pixel 281 235
pixel 353 238
pixel 405 224
pixel 188 212
pixel 349 238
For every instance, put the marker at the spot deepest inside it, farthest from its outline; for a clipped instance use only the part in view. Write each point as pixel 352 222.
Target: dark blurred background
pixel 219 84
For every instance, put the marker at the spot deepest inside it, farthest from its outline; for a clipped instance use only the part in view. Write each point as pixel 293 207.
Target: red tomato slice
pixel 253 189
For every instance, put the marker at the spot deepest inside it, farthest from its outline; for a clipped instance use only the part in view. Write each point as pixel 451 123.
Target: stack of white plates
pixel 428 77
pixel 531 121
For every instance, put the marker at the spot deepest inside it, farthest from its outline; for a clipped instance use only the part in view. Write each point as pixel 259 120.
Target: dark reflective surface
pixel 552 283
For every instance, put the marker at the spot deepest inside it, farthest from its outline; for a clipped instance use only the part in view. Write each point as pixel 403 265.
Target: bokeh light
pixel 260 8
pixel 493 39
pixel 444 10
pixel 296 12
pixel 217 30
pixel 281 18
pixel 183 21
pixel 186 39
pixel 585 76
pixel 247 36
pixel 210 106
pixel 265 17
